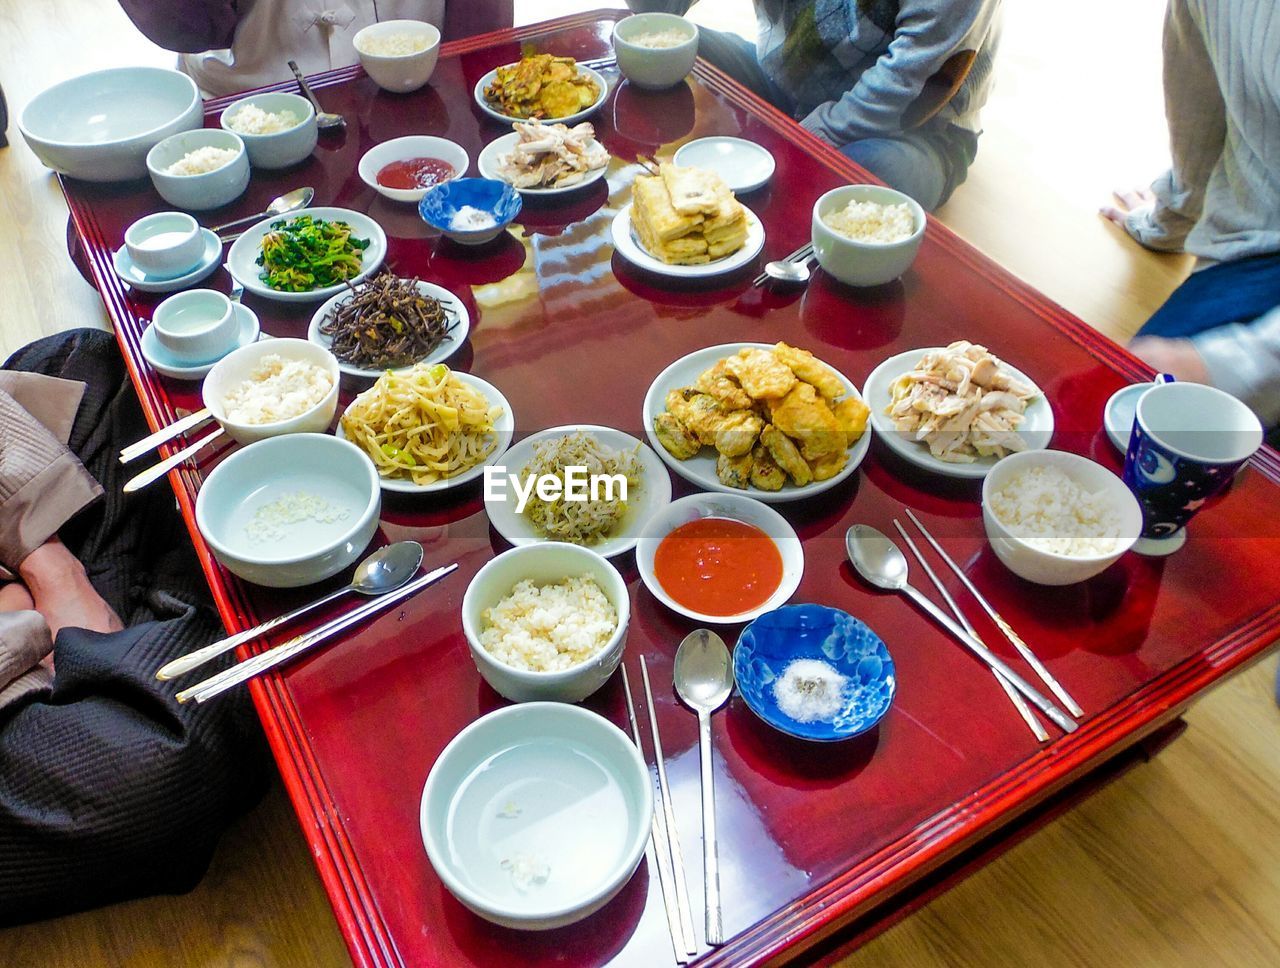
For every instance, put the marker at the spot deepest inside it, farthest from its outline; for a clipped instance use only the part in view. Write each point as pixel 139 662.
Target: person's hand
pixel 1127 202
pixel 1178 357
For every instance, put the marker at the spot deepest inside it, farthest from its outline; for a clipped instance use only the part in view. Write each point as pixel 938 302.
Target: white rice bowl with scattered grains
pixel 1046 508
pixel 549 627
pixel 866 221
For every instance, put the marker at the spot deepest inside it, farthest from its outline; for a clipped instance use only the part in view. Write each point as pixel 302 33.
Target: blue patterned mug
pixel 1187 442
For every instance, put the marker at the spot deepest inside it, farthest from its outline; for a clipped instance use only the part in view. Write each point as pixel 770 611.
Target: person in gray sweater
pixel 894 84
pixel 1220 201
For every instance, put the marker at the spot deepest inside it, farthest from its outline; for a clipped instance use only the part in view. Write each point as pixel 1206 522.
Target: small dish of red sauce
pixel 718 566
pixel 411 173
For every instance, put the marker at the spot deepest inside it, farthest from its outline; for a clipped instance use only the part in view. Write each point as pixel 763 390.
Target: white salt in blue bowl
pixel 441 204
pixel 778 638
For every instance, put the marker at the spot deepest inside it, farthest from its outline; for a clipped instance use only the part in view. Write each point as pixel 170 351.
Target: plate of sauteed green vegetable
pixel 390 323
pixel 311 255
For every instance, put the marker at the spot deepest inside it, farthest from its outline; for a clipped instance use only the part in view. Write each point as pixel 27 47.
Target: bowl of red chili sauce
pixel 405 169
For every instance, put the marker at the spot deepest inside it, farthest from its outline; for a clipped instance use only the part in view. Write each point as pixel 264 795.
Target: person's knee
pixel 902 166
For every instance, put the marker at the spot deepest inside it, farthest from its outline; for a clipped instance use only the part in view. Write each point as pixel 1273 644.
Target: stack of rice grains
pixel 687 216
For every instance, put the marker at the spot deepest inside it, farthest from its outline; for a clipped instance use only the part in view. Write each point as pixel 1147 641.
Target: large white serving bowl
pixel 280 149
pixel 654 68
pixel 1029 559
pixel 547 797
pixel 544 564
pixel 402 149
pixel 864 263
pixel 212 189
pixel 737 507
pixel 399 73
pixel 275 470
pixel 238 365
pixel 100 126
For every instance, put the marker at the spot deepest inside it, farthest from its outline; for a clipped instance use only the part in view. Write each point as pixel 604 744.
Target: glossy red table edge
pixel 889 871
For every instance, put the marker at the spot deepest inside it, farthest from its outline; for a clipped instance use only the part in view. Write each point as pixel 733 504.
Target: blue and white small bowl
pixel 442 203
pixel 776 639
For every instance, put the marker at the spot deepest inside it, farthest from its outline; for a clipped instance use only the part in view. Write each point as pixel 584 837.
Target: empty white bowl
pixel 399 73
pixel 404 149
pixel 544 564
pixel 165 245
pixel 196 326
pixel 100 126
pixel 654 68
pixel 211 189
pixel 238 366
pixel 1030 558
pixel 858 263
pixel 737 507
pixel 536 816
pixel 290 511
pixel 280 149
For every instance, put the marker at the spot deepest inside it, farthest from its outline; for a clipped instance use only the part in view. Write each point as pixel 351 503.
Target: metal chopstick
pixel 1024 650
pixel 251 667
pixel 1019 703
pixel 673 832
pixel 134 451
pixel 660 847
pixel 157 471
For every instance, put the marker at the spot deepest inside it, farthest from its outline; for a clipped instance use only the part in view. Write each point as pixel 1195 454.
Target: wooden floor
pixel 1177 864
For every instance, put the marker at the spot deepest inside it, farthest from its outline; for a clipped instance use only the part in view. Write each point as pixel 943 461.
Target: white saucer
pixel 135 277
pixel 1119 413
pixel 744 165
pixel 162 362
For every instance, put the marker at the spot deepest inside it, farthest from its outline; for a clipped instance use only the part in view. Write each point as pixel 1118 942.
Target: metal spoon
pixel 792 273
pixel 880 562
pixel 383 571
pixel 704 679
pixel 288 202
pixel 325 120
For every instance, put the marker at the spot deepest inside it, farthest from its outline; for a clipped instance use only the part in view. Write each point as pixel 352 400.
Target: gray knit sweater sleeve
pixel 1244 360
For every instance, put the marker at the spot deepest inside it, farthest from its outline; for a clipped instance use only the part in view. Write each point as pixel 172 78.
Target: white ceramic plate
pixel 653 494
pixel 629 247
pixel 241 260
pixel 131 274
pixel 1036 430
pixel 701 468
pixel 487 163
pixel 569 119
pixel 503 429
pixel 161 361
pixel 744 165
pixel 438 355
pixel 1119 414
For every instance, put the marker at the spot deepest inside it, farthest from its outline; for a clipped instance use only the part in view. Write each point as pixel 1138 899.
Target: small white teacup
pixel 165 245
pixel 197 326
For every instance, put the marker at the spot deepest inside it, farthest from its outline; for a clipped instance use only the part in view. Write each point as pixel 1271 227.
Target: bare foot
pixel 62 593
pixel 14 597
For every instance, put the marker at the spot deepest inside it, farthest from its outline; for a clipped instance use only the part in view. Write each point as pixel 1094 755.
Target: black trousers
pixel 109 789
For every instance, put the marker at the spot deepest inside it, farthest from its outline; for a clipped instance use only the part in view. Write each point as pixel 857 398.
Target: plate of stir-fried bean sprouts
pixel 390 323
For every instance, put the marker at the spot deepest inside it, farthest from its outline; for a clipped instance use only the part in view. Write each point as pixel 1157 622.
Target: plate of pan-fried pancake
pixel 773 421
pixel 685 222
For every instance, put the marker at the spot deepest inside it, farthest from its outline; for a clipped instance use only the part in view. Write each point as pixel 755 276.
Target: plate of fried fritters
pixel 541 87
pixel 771 420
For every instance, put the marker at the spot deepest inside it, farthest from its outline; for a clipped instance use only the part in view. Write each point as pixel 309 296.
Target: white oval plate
pixel 503 429
pixel 701 468
pixel 1036 430
pixel 487 163
pixel 629 247
pixel 744 165
pixel 246 249
pixel 437 355
pixel 654 493
pixel 582 115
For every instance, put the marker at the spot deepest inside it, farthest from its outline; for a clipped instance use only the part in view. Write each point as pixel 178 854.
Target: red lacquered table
pixel 813 840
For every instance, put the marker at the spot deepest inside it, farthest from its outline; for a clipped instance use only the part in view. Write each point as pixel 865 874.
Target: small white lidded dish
pixel 164 245
pixel 197 326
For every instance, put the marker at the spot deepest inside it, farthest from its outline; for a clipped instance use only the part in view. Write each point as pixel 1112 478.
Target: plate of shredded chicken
pixel 545 159
pixel 956 409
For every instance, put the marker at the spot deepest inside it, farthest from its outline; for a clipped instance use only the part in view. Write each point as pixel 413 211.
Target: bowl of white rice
pixel 546 622
pixel 273 387
pixel 655 50
pixel 201 169
pixel 866 235
pixel 399 55
pixel 1056 518
pixel 278 128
